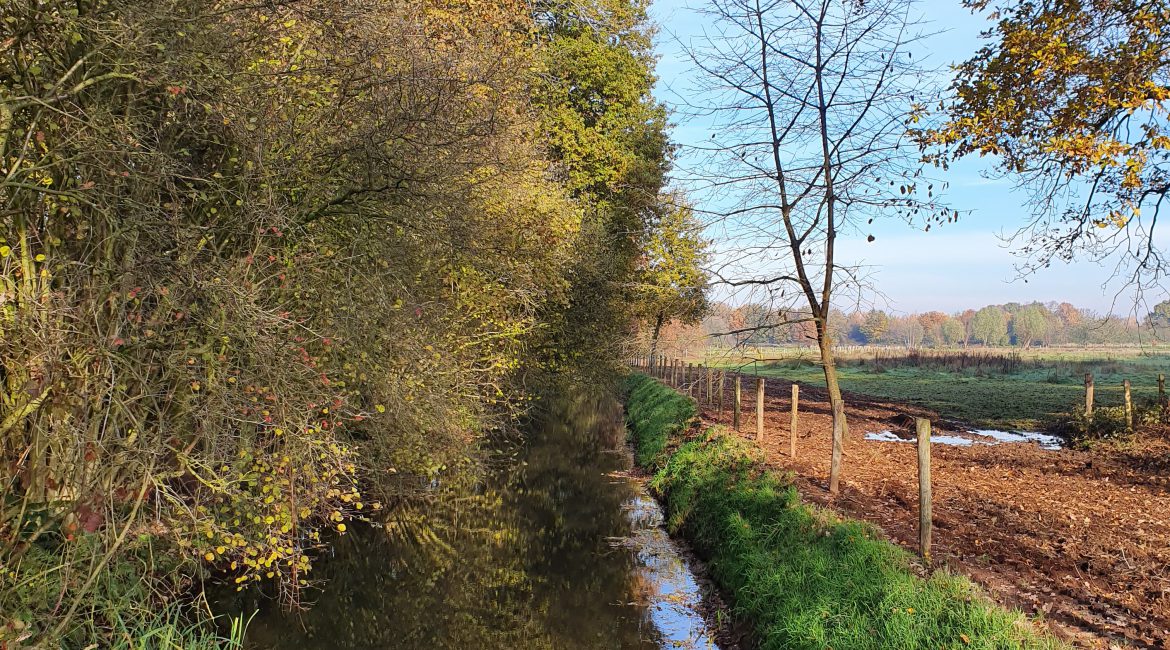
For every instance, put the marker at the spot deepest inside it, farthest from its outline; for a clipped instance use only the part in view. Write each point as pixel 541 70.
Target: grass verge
pixel 801 576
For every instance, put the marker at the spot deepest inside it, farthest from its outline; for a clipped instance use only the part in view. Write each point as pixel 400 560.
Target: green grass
pixel 801 576
pixel 121 610
pixel 169 630
pixel 1028 399
pixel 662 413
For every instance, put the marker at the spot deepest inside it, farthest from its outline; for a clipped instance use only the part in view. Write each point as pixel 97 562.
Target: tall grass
pixel 170 630
pixel 802 576
pixel 121 610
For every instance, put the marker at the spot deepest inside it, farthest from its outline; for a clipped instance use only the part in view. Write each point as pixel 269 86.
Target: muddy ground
pixel 1080 539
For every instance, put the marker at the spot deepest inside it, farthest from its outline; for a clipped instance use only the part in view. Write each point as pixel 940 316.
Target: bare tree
pixel 808 102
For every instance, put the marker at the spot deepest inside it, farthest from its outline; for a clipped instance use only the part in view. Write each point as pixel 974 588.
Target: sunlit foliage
pixel 264 267
pixel 1072 97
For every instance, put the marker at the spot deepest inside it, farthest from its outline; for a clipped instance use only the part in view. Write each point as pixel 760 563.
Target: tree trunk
pixel 654 339
pixel 836 404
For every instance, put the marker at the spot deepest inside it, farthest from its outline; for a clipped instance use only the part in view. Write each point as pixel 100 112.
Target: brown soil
pixel 1080 539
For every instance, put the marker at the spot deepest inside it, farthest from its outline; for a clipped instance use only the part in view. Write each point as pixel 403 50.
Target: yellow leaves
pixel 5 251
pixel 1132 179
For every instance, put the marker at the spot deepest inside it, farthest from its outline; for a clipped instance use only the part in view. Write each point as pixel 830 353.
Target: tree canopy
pixel 1072 99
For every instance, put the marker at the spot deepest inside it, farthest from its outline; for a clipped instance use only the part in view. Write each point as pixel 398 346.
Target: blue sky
pixel 961 265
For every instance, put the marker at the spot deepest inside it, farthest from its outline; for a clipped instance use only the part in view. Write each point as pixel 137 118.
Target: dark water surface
pixel 556 547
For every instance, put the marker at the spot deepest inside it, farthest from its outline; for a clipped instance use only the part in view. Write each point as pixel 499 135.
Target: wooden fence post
pixel 760 409
pixel 722 389
pixel 924 496
pixel 688 379
pixel 710 387
pixel 674 373
pixel 792 426
pixel 699 385
pixel 1162 392
pixel 1089 395
pixel 738 403
pixel 1125 385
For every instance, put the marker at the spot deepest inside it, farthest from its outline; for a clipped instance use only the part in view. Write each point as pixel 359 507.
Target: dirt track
pixel 1080 538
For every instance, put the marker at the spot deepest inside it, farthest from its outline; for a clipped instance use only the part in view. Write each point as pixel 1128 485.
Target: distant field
pixel 991 388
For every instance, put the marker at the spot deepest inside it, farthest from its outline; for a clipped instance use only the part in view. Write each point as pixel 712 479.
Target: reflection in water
pixel 676 598
pixel 539 553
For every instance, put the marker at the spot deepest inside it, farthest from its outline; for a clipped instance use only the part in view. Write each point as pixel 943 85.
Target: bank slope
pixel 803 577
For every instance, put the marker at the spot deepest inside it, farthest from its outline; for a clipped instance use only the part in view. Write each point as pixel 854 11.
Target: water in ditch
pixel 556 546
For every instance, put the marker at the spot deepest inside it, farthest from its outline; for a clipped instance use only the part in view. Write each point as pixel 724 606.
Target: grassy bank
pixel 801 576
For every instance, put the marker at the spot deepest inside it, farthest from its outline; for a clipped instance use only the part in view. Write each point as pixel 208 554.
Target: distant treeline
pixel 1015 324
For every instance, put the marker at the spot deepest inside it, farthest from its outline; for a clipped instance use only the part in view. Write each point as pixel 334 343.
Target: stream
pixel 557 545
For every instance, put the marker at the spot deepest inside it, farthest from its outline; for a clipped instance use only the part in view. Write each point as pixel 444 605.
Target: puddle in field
pixel 989 437
pixel 1046 441
pixel 890 436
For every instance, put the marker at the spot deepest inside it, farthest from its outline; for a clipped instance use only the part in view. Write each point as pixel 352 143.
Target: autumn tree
pixel 906 330
pixel 875 326
pixel 932 322
pixel 606 136
pixel 965 317
pixel 1072 99
pixel 1159 316
pixel 1029 324
pixel 671 283
pixel 990 326
pixel 953 332
pixel 808 102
